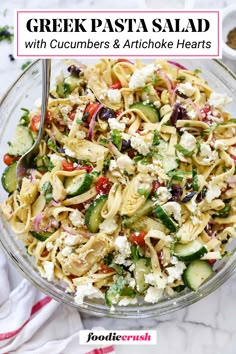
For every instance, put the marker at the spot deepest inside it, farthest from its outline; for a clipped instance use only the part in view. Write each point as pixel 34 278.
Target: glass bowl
pixel 23 93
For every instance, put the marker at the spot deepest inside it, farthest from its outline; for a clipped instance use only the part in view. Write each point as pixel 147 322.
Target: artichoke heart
pixel 29 191
pixel 189 232
pixel 79 262
pixel 135 194
pixel 99 87
pixel 86 150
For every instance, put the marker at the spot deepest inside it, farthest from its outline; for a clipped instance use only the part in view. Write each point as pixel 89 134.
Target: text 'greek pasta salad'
pixel 132 194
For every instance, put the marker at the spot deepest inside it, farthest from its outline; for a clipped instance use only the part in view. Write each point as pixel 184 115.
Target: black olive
pixel 11 57
pixel 188 197
pixel 74 70
pixel 202 194
pixel 176 192
pixel 178 113
pixel 181 94
pixel 107 113
pixel 126 144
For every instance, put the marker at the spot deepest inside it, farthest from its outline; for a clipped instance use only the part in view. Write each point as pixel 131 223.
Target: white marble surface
pixel 207 327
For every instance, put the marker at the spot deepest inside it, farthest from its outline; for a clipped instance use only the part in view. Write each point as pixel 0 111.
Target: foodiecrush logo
pixel 102 337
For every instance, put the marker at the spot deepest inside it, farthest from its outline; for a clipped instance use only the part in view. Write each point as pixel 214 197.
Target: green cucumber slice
pixel 9 182
pixel 196 274
pixel 189 251
pixel 143 211
pixel 22 141
pixel 41 236
pixel 148 110
pixel 93 216
pixel 169 163
pixel 140 270
pixel 78 185
pixel 165 219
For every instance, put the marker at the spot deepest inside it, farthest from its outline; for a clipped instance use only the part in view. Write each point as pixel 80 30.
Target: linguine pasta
pixel 134 182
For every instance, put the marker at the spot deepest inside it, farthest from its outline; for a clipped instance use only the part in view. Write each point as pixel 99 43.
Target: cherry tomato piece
pixel 90 109
pixel 106 269
pixel 116 86
pixel 137 238
pixel 72 115
pixel 103 185
pixel 7 159
pixel 48 117
pixel 35 122
pixel 67 166
pixel 124 60
pixel 87 168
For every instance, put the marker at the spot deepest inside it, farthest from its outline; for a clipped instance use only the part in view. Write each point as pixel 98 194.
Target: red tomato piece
pixel 90 109
pixel 106 269
pixel 35 122
pixel 121 60
pixel 48 117
pixel 155 185
pixel 137 238
pixel 7 159
pixel 116 86
pixel 67 166
pixel 72 115
pixel 87 168
pixel 103 185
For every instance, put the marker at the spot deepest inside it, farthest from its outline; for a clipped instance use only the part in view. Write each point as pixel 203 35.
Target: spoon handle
pixel 46 73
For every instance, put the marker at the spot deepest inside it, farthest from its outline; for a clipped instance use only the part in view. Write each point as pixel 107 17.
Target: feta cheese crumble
pixel 76 218
pixel 123 247
pixel 175 272
pixel 173 208
pixel 127 301
pixel 108 226
pixel 139 144
pixel 209 155
pixel 124 162
pixel 187 89
pixel 219 100
pixel 140 76
pixel 213 192
pixel 188 141
pixel 153 294
pixel 163 194
pixel 87 290
pixel 49 270
pixel 114 96
pixel 115 124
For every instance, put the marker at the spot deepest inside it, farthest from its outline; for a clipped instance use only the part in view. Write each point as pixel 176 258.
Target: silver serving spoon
pixel 26 161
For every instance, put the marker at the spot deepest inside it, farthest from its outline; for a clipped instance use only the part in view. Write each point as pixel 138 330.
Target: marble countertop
pixel 207 327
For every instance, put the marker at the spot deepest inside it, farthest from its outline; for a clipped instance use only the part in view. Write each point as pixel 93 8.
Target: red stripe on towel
pixel 102 350
pixel 36 307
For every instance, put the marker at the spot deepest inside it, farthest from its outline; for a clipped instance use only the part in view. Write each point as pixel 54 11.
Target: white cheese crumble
pixel 66 251
pixel 156 280
pixel 108 226
pixel 192 114
pixel 56 159
pixel 65 109
pixel 157 104
pixel 188 141
pixel 114 124
pixel 49 246
pixel 124 162
pixel 213 192
pixel 187 89
pixel 140 76
pixel 139 144
pixel 219 100
pixel 123 247
pixel 49 270
pixel 175 272
pixel 76 218
pixel 69 152
pixel 127 301
pixel 72 240
pixel 87 290
pixel 114 96
pixel 209 155
pixel 153 294
pixel 163 194
pixel 173 208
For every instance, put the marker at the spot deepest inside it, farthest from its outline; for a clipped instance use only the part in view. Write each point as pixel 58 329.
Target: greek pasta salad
pixel 132 194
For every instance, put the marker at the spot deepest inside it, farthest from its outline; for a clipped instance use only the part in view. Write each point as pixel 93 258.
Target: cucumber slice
pixel 169 163
pixel 93 216
pixel 189 251
pixel 148 110
pixel 22 141
pixel 140 270
pixel 78 185
pixel 196 273
pixel 60 90
pixel 9 182
pixel 143 211
pixel 165 219
pixel 70 83
pixel 41 236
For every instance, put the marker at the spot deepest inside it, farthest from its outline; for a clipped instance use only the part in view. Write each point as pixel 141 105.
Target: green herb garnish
pixel 24 66
pixel 194 179
pixel 156 140
pixel 184 151
pixel 116 138
pixel 143 192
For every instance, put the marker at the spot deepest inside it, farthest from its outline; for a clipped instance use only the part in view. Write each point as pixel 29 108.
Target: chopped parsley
pixel 156 140
pixel 116 138
pixel 184 151
pixel 143 192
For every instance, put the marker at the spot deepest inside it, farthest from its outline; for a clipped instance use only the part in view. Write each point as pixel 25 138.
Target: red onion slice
pixel 195 107
pixel 37 222
pixel 92 122
pixel 177 65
